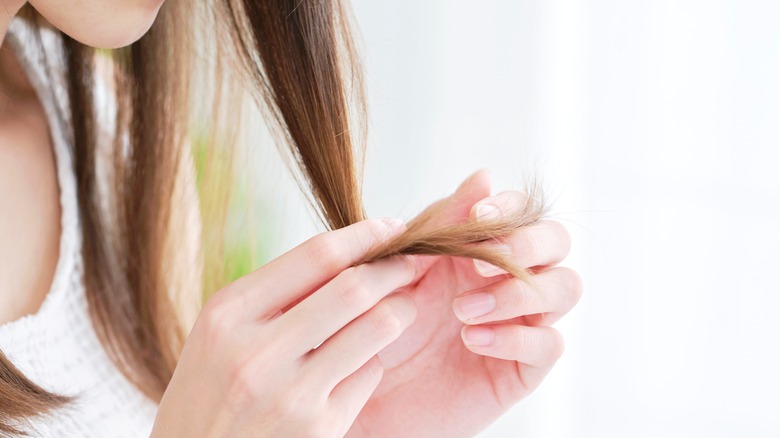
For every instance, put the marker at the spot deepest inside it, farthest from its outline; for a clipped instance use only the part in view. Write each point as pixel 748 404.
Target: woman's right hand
pixel 250 366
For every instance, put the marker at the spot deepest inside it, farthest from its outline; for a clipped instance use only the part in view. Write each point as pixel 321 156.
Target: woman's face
pixel 101 23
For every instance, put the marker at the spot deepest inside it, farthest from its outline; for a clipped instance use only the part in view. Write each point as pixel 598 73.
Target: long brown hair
pixel 300 63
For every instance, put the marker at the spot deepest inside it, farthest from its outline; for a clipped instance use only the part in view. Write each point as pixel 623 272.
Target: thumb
pixel 456 207
pixel 473 189
pixel 477 185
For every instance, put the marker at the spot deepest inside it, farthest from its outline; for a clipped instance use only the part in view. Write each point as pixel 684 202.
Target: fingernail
pixel 487 211
pixel 478 336
pixel 485 269
pixel 394 225
pixel 474 305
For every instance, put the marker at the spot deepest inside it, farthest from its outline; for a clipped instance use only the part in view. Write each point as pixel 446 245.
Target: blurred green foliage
pixel 232 237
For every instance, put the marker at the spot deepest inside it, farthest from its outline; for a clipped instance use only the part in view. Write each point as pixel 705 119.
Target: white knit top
pixel 57 347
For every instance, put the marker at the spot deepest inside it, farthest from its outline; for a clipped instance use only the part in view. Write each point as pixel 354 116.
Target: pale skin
pixel 408 346
pixel 29 206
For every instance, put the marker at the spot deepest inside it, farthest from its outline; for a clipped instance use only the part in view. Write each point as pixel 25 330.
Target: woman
pixel 355 332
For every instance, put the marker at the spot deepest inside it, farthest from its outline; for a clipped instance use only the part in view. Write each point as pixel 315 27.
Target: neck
pixel 14 85
pixel 8 9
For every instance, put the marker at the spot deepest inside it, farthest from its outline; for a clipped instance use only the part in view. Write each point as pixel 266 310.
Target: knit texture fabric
pixel 57 347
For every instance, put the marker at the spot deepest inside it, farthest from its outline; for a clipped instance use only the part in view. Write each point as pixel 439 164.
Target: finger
pixel 473 188
pixel 545 243
pixel 350 348
pixel 500 205
pixel 535 349
pixel 457 206
pixel 494 207
pixel 343 299
pixel 535 346
pixel 303 269
pixel 549 296
pixel 350 396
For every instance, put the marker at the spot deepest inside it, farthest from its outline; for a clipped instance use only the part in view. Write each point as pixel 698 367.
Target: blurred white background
pixel 656 128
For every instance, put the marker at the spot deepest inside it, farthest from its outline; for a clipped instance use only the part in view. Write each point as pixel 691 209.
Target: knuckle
pixel 352 290
pixel 238 286
pixel 338 249
pixel 326 252
pixel 377 231
pixel 384 321
pixel 520 295
pixel 217 317
pixel 374 369
pixel 519 340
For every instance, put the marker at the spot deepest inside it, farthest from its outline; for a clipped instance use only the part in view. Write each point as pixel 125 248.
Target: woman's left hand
pixel 482 340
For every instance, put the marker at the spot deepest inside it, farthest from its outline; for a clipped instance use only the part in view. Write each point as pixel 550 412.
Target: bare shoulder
pixel 29 208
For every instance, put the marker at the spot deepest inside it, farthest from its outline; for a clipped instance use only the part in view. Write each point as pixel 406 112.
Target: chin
pixel 120 31
pixel 116 37
pixel 111 25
